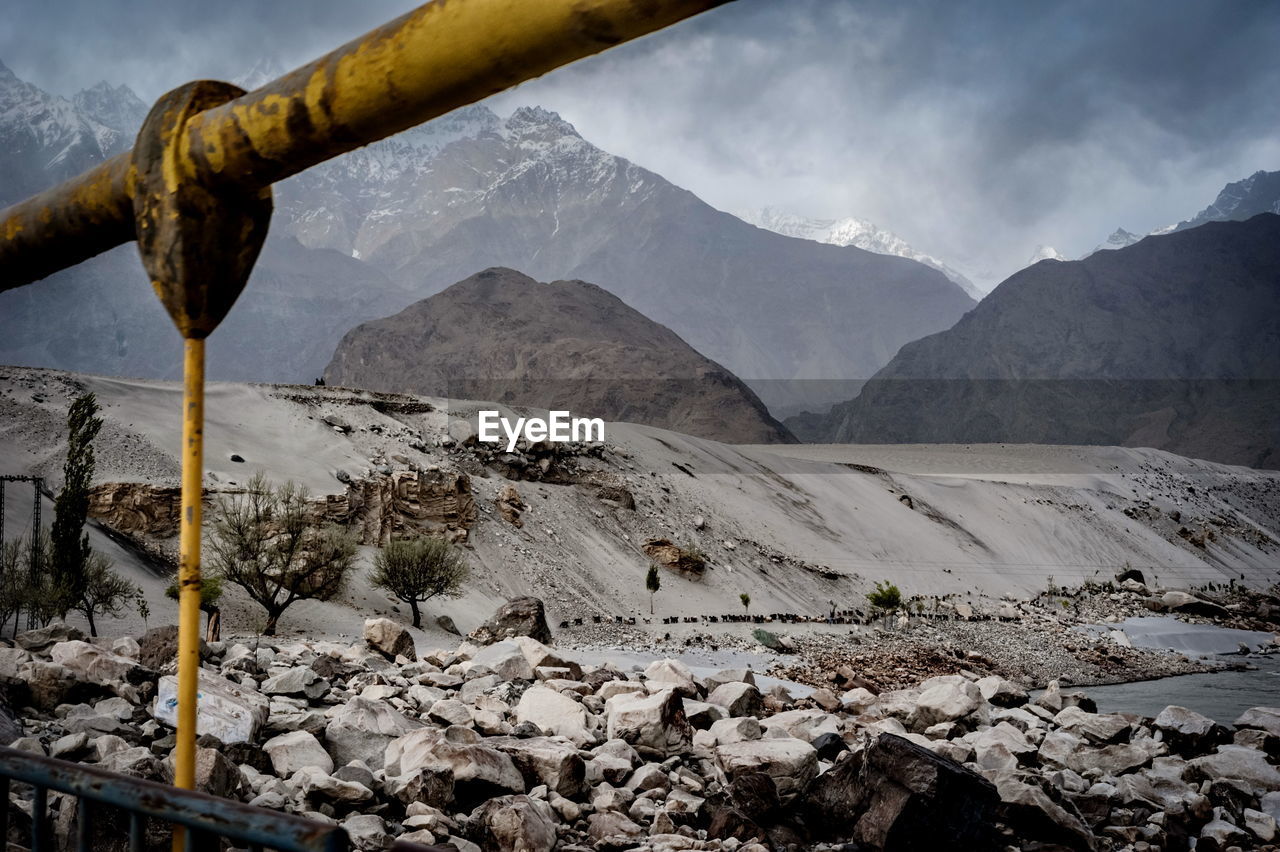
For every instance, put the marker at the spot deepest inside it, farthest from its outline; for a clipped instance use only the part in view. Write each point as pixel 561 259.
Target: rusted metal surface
pixel 243 824
pixel 199 234
pixel 68 224
pixel 436 58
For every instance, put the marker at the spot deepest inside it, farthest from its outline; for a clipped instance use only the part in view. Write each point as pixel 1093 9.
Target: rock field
pixel 504 744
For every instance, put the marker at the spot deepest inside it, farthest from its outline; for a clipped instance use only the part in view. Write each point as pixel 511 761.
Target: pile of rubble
pixel 512 746
pixel 1030 653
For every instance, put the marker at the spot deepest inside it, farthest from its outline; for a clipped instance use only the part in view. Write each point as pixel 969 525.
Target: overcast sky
pixel 975 130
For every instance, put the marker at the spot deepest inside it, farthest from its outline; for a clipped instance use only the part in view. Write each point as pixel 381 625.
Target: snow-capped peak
pixel 1045 253
pixel 263 71
pixel 1120 238
pixel 850 231
pixel 116 107
pixel 534 122
pixel 66 137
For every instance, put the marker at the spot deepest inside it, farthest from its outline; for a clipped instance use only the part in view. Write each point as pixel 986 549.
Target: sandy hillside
pixel 795 531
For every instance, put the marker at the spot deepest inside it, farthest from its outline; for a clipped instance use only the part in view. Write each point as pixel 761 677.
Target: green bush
pixel 885 596
pixel 417 570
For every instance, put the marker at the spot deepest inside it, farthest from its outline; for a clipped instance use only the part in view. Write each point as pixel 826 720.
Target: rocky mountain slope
pixel 1244 199
pixel 565 345
pixel 851 231
pixel 571 523
pixel 1173 343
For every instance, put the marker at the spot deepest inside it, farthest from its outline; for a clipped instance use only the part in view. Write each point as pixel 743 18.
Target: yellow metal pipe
pixel 68 224
pixel 189 565
pixel 436 58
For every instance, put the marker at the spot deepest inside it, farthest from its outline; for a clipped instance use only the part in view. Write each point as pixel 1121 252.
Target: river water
pixel 1222 696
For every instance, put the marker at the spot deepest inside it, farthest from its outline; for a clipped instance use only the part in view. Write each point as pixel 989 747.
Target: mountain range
pixel 1173 343
pixel 527 192
pixel 1240 200
pixel 404 218
pixel 46 138
pixel 851 231
pixel 503 337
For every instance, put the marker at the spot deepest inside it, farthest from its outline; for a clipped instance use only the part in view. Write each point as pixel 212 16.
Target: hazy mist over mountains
pixel 416 213
pixel 897 114
pixel 860 245
pixel 1173 342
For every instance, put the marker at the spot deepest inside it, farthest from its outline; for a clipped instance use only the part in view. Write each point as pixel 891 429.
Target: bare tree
pixel 104 591
pixel 13 580
pixel 40 594
pixel 266 542
pixel 417 570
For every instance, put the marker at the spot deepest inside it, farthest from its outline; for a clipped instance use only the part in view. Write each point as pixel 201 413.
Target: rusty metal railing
pixel 205 817
pixel 195 192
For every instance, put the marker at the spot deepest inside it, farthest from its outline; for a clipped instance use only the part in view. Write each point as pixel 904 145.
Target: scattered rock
pixel 898 795
pixel 297 750
pixel 227 710
pixel 362 729
pixel 510 823
pixel 522 616
pixel 673 556
pixel 654 725
pixel 388 638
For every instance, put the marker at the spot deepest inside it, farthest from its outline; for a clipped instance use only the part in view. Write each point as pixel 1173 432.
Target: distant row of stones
pixel 503 743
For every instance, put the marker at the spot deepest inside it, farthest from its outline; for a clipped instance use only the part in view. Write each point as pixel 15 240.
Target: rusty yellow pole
pixel 189 565
pixel 184 761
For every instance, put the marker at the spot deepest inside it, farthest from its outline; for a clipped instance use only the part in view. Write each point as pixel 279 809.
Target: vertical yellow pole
pixel 189 567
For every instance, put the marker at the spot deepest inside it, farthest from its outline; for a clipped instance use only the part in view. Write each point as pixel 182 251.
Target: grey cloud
pixel 976 130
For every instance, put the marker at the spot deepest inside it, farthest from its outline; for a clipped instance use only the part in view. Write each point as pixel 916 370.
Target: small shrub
pixel 885 596
pixel 695 557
